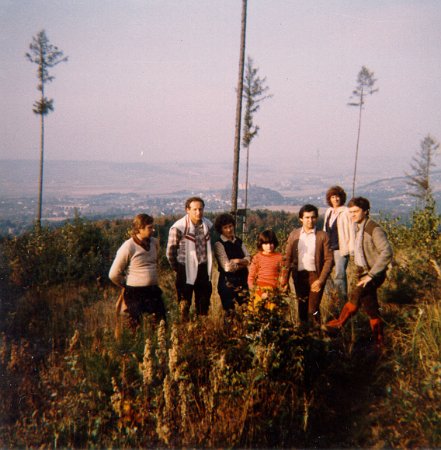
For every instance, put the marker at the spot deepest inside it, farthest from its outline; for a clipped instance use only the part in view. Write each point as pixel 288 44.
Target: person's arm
pixel 252 272
pixel 117 272
pixel 230 265
pixel 288 259
pixel 222 258
pixel 157 250
pixel 328 262
pixel 283 274
pixel 172 247
pixel 328 211
pixel 245 261
pixel 384 250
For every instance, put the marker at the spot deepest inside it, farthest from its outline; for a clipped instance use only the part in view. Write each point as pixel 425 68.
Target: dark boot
pixel 377 331
pixel 349 309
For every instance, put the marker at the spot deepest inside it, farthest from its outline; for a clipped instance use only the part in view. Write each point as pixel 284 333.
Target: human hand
pixel 316 286
pixel 364 280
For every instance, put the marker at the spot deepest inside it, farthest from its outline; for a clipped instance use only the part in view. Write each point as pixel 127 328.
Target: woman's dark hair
pixel 338 191
pixel 267 237
pixel 222 220
pixel 141 221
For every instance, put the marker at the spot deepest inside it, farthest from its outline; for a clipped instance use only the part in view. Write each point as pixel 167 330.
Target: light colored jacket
pixel 345 228
pixel 183 250
pixel 376 248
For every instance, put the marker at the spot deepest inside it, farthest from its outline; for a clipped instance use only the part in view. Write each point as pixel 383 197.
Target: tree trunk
pixel 244 226
pixel 40 181
pixel 235 187
pixel 358 142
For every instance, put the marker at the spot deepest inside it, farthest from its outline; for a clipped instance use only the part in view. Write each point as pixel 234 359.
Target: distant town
pixel 18 207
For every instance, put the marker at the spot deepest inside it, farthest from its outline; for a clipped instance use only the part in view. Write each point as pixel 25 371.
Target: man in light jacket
pixel 190 256
pixel 372 255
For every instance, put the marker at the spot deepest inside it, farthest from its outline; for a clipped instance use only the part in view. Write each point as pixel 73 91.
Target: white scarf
pixel 187 228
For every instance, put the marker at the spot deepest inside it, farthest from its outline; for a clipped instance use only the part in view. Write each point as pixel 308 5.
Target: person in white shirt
pixel 309 258
pixel 135 270
pixel 190 256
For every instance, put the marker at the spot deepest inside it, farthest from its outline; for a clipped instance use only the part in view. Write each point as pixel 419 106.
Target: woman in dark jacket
pixel 232 260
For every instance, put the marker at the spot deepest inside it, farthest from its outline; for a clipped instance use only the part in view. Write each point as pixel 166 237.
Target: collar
pixel 360 226
pixel 302 231
pixel 224 239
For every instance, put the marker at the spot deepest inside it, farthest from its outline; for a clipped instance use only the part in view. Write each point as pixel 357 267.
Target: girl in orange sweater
pixel 266 270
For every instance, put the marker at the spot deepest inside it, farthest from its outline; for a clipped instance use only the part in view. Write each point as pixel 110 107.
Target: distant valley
pixel 107 189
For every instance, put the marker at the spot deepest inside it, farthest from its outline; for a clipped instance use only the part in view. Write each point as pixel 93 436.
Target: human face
pixel 267 248
pixel 228 231
pixel 147 231
pixel 357 214
pixel 196 212
pixel 309 220
pixel 335 201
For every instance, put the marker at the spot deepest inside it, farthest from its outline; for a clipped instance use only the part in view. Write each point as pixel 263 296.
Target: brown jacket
pixel 324 257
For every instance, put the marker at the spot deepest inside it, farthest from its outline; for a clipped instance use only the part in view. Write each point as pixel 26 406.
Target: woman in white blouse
pixel 340 230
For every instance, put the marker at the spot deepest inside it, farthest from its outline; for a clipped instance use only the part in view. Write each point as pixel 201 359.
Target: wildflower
pixel 173 354
pixel 14 358
pixel 161 351
pixel 146 366
pixel 74 340
pixel 116 398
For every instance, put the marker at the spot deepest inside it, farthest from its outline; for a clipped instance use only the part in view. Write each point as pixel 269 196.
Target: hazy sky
pixel 154 80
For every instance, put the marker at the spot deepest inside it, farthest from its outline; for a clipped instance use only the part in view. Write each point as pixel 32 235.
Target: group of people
pixel 310 256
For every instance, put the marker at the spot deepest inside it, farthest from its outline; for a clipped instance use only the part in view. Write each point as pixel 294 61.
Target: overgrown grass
pixel 249 380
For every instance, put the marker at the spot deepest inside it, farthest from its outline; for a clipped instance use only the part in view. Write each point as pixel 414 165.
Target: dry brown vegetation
pixel 250 380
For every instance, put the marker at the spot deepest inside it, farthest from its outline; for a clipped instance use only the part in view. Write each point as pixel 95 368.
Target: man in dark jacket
pixel 372 255
pixel 309 258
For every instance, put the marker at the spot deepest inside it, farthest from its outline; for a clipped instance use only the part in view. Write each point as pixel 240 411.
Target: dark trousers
pixel 308 302
pixel 231 291
pixel 140 300
pixel 201 288
pixel 367 296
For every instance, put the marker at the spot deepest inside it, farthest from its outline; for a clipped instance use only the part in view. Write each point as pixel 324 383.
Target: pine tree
pixel 254 92
pixel 365 87
pixel 421 165
pixel 46 56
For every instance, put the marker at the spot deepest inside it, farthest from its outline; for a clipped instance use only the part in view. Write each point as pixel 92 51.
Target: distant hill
pixel 108 189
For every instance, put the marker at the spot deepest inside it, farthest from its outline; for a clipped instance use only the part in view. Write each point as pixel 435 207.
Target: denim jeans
pixel 340 280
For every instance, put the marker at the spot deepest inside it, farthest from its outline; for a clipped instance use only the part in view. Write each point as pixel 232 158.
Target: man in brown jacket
pixel 309 258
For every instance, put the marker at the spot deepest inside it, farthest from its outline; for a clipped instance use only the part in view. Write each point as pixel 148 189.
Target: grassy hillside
pixel 251 380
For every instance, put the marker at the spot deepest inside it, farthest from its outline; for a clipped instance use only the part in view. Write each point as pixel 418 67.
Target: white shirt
pixel 307 251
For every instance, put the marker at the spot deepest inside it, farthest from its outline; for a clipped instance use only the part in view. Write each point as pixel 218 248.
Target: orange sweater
pixel 265 270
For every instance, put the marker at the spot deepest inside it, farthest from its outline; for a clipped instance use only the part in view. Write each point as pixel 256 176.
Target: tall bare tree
pixel 235 187
pixel 46 56
pixel 254 92
pixel 421 165
pixel 365 87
